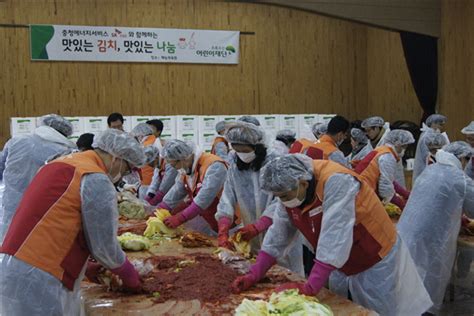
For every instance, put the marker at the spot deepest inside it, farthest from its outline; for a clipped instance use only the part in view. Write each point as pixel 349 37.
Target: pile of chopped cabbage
pixel 287 303
pixel 392 210
pixel 241 246
pixel 130 206
pixel 133 242
pixel 156 227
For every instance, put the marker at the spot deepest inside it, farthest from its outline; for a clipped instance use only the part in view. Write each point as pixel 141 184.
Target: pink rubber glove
pixel 164 205
pixel 251 231
pixel 187 214
pixel 129 276
pixel 224 224
pixel 149 197
pixel 263 223
pixel 157 198
pixel 318 277
pixel 401 190
pixel 398 201
pixel 248 232
pixel 175 220
pixel 257 272
pixel 93 270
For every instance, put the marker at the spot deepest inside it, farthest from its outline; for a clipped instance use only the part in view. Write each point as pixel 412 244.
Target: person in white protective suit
pixel 319 129
pixel 377 129
pixel 68 213
pixel 434 141
pixel 361 146
pixel 22 157
pixel 220 146
pixel 469 132
pixel 350 231
pixel 434 123
pixel 199 184
pixel 430 223
pixel 283 141
pixel 379 167
pixel 164 177
pixel 242 191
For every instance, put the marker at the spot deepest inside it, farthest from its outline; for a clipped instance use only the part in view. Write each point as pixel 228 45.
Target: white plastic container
pixel 325 118
pixel 206 139
pixel 169 126
pixel 189 136
pixel 290 121
pixel 306 122
pixel 77 125
pixel 22 125
pixel 95 124
pixel 229 118
pixel 140 119
pixel 207 123
pixel 127 123
pixel 187 123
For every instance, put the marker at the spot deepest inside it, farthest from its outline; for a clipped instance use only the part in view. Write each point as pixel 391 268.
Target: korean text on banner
pixel 127 44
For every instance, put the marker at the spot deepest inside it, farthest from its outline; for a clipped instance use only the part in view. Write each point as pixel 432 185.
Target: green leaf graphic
pixel 40 35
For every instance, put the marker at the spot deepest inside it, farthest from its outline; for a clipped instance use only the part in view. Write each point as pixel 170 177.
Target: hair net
pixel 286 133
pixel 220 126
pixel 176 149
pixel 244 133
pixel 399 137
pixel 142 129
pixel 436 119
pixel 468 130
pixel 374 121
pixel 151 153
pixel 283 173
pixel 459 149
pixel 57 122
pixel 249 119
pixel 435 140
pixel 319 129
pixel 359 136
pixel 120 145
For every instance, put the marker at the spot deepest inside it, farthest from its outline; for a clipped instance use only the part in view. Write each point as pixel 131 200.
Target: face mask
pixel 402 153
pixel 295 202
pixel 247 157
pixel 292 203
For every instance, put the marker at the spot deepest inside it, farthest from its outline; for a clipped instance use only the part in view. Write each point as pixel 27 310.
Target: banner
pixel 126 44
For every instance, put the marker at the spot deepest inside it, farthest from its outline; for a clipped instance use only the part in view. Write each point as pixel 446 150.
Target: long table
pixel 97 301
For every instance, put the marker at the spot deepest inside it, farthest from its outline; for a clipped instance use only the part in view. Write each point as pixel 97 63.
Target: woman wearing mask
pixel 434 123
pixel 284 139
pixel 201 179
pixel 350 234
pixel 242 190
pixel 163 180
pixel 143 133
pixel 220 146
pixel 68 213
pixel 434 142
pixel 379 167
pixel 361 146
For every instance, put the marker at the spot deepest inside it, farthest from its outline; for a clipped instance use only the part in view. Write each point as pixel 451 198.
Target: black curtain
pixel 421 55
